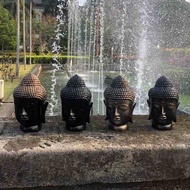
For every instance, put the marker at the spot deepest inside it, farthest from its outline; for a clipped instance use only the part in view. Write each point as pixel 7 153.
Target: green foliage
pixel 50 7
pixel 51 11
pixel 184 100
pixel 10 5
pixel 180 77
pixel 47 59
pixel 39 59
pixel 7 69
pixel 11 85
pixel 46 28
pixel 7 30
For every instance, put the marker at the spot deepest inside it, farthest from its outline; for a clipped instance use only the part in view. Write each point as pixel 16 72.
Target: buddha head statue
pixel 30 103
pixel 119 102
pixel 76 104
pixel 163 104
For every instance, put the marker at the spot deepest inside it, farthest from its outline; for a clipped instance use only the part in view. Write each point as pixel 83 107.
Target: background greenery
pixel 7 30
pixel 10 86
pixel 171 22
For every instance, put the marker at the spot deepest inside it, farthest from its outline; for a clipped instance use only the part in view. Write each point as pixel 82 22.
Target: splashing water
pixel 142 59
pixel 121 69
pixel 56 49
pixel 108 37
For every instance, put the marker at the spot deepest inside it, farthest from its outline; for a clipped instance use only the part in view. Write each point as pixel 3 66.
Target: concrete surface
pixel 96 158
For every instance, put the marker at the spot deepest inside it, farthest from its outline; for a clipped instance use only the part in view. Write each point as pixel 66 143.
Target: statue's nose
pixel 72 115
pixel 163 112
pixel 116 112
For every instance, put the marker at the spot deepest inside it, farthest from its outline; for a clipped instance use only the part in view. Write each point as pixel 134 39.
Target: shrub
pixel 36 59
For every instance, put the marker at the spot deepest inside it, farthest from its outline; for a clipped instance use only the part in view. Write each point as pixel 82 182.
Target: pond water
pixel 143 39
pixel 92 81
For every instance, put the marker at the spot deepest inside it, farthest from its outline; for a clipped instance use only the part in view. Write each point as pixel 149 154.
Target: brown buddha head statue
pixel 119 102
pixel 163 103
pixel 30 103
pixel 76 104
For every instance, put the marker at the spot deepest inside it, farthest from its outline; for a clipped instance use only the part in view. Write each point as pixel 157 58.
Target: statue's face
pixel 119 112
pixel 76 112
pixel 27 111
pixel 163 111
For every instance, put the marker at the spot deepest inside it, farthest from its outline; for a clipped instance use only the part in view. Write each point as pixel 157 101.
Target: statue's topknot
pixel 30 87
pixel 119 89
pixel 163 89
pixel 76 89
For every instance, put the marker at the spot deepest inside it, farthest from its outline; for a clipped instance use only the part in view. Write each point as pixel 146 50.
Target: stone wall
pixel 139 158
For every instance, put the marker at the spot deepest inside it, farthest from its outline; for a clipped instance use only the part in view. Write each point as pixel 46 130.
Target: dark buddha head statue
pixel 76 104
pixel 30 103
pixel 119 102
pixel 163 104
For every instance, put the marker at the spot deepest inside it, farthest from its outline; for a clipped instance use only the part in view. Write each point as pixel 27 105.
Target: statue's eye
pixel 110 106
pixel 82 110
pixel 170 105
pixel 157 106
pixel 123 107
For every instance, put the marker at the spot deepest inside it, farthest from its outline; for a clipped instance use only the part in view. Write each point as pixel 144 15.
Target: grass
pixel 184 100
pixel 10 86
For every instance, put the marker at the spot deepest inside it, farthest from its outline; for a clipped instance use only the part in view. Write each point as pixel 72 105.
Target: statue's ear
pixel 133 107
pixel 150 110
pixel 148 101
pixel 175 115
pixel 134 104
pixel 44 107
pixel 90 109
pixel 90 105
pixel 88 112
pixel 106 113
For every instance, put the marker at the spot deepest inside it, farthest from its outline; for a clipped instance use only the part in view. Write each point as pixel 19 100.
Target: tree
pixel 10 5
pixel 50 7
pixel 18 38
pixel 47 26
pixel 7 30
pixel 46 29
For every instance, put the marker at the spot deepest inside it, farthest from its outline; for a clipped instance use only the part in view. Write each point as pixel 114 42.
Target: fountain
pixel 108 38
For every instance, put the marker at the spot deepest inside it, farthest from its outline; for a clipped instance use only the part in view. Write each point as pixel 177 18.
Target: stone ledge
pixel 56 157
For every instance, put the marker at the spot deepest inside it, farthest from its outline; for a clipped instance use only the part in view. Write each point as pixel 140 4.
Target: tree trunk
pixel 30 32
pixel 18 38
pixel 24 34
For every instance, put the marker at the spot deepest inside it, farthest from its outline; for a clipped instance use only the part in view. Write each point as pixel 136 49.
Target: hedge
pixel 36 59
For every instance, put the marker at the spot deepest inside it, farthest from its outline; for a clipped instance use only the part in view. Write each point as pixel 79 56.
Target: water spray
pixel 56 49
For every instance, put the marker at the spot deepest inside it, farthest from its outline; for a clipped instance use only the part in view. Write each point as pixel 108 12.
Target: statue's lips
pixel 163 120
pixel 117 118
pixel 73 121
pixel 24 118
